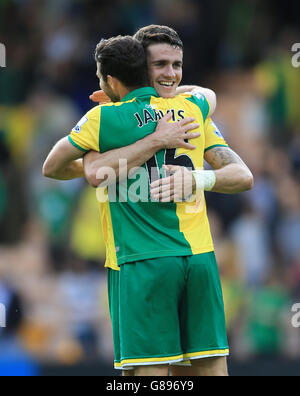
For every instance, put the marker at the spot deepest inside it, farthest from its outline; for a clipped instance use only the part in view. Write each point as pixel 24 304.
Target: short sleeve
pixel 213 136
pixel 85 135
pixel 200 100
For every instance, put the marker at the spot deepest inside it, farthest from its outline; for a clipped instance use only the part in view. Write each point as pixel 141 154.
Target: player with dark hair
pixel 158 34
pixel 170 302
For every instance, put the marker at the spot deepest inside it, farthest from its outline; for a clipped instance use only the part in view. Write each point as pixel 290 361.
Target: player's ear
pixel 111 81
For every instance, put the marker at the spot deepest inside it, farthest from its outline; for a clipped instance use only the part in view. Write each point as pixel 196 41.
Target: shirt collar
pixel 146 91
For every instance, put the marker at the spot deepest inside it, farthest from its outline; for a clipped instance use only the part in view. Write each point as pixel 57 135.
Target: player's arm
pixel 232 174
pixel 64 162
pixel 167 135
pixel 120 160
pixel 209 94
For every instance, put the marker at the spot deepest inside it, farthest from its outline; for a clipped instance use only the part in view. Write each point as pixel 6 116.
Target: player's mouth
pixel 166 84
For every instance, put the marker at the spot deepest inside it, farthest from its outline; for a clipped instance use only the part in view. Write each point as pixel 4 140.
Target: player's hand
pixel 177 187
pixel 100 97
pixel 175 135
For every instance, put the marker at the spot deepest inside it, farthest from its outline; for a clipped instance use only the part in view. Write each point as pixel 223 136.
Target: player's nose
pixel 169 72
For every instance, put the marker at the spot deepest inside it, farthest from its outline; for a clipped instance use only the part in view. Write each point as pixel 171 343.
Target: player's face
pixel 106 87
pixel 165 68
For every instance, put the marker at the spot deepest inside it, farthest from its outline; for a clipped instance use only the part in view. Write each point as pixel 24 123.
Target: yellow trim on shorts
pixel 183 359
pixel 149 361
pixel 118 366
pixel 203 354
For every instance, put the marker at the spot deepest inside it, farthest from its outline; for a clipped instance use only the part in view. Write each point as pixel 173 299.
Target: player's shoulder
pixel 195 95
pixel 108 106
pixel 198 99
pixel 113 108
pixel 93 113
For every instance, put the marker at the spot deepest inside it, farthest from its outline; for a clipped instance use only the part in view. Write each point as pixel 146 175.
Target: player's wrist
pixel 205 180
pixel 158 141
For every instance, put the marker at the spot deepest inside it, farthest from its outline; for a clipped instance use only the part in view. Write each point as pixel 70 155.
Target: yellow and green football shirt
pixel 134 227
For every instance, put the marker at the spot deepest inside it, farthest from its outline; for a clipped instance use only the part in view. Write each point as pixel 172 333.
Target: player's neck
pixel 123 91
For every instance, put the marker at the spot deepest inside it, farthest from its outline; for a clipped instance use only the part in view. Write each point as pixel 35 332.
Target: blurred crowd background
pixel 52 279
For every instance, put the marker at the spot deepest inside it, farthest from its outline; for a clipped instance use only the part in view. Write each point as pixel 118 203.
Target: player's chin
pixel 166 92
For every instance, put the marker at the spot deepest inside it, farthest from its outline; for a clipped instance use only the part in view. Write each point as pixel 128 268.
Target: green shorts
pixel 113 297
pixel 170 310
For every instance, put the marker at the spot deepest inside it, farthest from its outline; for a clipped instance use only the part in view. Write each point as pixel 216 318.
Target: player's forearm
pixel 64 162
pixel 121 161
pixel 232 174
pixel 233 179
pixel 70 171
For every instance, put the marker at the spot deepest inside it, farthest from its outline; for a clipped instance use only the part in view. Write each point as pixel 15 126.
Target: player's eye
pixel 160 64
pixel 177 65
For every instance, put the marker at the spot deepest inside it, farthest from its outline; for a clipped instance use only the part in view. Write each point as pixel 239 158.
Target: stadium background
pixel 51 250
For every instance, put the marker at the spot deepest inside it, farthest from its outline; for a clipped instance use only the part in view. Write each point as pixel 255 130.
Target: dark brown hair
pixel 156 34
pixel 124 58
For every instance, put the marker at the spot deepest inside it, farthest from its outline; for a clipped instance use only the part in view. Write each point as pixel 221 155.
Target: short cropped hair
pixel 124 58
pixel 156 34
